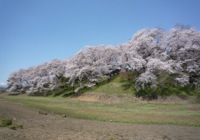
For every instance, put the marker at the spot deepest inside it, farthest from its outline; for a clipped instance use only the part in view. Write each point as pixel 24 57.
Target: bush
pixel 16 126
pixel 42 113
pixel 58 92
pixel 5 122
pixel 167 90
pixel 148 93
pixel 112 138
pixel 166 86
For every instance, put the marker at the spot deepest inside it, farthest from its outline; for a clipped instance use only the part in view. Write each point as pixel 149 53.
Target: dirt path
pixel 55 127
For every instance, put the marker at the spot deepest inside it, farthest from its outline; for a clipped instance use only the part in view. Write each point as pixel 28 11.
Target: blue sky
pixel 35 31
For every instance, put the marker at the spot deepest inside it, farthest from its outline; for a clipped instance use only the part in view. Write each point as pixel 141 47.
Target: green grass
pixel 134 112
pixel 115 86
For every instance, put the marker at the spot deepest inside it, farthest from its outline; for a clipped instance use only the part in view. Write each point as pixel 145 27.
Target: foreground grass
pixel 134 112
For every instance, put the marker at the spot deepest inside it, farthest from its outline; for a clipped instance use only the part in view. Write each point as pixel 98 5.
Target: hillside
pixel 162 63
pixel 115 86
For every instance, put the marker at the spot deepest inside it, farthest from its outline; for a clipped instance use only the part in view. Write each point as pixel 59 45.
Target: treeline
pixel 163 61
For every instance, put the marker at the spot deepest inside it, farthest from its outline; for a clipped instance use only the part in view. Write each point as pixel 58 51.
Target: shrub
pixel 16 126
pixel 58 92
pixel 167 90
pixel 148 93
pixel 42 113
pixel 5 122
pixel 112 138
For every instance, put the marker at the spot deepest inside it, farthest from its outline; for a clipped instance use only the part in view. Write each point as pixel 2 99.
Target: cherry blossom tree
pixel 150 53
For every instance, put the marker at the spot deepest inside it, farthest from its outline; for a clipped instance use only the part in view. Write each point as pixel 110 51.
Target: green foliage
pixel 42 93
pixel 2 91
pixel 63 82
pixel 46 85
pixel 148 93
pixel 42 112
pixel 5 122
pixel 124 83
pixel 58 92
pixel 16 126
pixel 167 86
pixel 112 138
pixel 167 90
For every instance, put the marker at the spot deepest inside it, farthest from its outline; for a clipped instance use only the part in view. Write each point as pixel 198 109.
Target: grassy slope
pixel 127 112
pixel 115 86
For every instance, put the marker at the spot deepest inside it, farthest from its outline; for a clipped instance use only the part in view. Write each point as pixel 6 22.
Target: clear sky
pixel 35 31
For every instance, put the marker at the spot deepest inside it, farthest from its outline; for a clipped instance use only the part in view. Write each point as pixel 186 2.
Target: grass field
pixel 133 112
